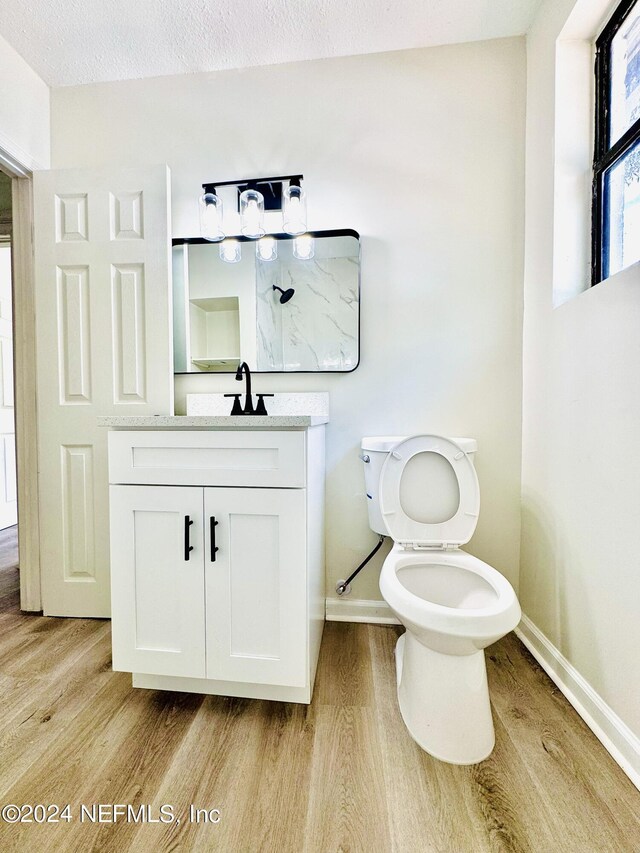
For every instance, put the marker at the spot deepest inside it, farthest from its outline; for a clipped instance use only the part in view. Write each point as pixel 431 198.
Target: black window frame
pixel 606 155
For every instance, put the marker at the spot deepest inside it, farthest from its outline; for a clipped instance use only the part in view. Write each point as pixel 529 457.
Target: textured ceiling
pixel 69 42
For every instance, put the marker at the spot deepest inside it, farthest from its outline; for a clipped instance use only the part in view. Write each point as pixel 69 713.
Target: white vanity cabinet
pixel 217 559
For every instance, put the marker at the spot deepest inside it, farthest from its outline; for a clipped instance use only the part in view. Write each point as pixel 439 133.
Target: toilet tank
pixel 374 452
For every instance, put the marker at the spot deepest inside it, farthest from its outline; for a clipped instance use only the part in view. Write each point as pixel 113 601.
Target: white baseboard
pixel 359 610
pixel 616 737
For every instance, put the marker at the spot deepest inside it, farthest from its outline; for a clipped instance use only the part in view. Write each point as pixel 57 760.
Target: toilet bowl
pixel 423 491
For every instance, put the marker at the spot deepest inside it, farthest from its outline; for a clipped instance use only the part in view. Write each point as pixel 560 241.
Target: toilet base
pixel 444 702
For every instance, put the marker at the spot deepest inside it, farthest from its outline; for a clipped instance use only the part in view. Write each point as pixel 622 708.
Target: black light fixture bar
pixel 294 180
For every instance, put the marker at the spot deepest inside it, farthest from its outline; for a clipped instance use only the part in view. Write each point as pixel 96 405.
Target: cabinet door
pixel 256 585
pixel 157 587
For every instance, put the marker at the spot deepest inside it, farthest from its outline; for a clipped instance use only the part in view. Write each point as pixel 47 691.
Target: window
pixel 616 166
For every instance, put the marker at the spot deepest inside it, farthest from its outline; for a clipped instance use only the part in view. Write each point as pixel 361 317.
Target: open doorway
pixel 8 491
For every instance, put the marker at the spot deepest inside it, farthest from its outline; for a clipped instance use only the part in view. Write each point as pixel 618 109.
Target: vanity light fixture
pixel 254 197
pixel 230 250
pixel 304 247
pixel 267 248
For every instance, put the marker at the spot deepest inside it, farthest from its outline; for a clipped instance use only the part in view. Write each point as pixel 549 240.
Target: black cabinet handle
pixel 187 548
pixel 212 528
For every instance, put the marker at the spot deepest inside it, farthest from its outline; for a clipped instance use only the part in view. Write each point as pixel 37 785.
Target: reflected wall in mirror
pixel 281 315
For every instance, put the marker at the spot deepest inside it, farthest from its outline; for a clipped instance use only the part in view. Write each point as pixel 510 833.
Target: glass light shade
pixel 252 214
pixel 294 210
pixel 304 247
pixel 230 251
pixel 267 249
pixel 211 217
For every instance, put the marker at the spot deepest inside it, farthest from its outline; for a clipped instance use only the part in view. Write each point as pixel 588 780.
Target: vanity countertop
pixel 209 411
pixel 212 421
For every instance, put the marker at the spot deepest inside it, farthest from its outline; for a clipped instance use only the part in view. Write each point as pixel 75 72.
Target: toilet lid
pixel 456 526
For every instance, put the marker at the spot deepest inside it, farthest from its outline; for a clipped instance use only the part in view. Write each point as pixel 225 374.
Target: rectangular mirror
pixel 283 315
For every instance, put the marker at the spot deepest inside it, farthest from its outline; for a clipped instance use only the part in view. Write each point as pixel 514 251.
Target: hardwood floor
pixel 339 775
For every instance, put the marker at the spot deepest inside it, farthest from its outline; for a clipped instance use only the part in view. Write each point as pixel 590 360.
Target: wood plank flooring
pixel 339 775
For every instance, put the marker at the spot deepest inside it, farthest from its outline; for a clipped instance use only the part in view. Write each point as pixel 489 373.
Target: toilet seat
pixel 411 533
pixel 460 621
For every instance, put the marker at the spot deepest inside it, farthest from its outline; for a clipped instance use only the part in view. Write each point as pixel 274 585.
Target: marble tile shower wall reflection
pixel 317 329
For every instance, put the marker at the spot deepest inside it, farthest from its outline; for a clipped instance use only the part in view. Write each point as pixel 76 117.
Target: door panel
pixel 256 585
pixel 103 318
pixel 158 595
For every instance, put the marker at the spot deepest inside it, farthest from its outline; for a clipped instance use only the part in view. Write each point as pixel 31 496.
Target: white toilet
pixel 423 491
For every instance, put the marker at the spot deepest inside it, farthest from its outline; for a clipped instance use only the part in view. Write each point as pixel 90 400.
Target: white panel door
pixel 256 585
pixel 8 498
pixel 103 321
pixel 158 583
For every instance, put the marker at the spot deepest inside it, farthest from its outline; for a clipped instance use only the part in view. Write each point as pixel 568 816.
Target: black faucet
pixel 248 409
pixel 248 400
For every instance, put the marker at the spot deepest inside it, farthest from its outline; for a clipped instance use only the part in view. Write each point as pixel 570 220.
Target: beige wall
pixel 580 566
pixel 421 151
pixel 24 111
